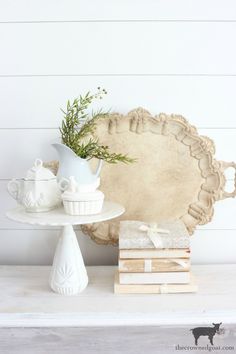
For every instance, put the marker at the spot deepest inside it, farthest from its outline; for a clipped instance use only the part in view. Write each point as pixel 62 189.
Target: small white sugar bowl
pixel 80 203
pixel 38 191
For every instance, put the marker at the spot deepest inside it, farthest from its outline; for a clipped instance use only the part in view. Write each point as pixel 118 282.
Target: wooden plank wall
pixel 166 56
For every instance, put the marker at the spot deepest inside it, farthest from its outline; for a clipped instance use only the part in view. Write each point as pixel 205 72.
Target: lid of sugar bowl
pixel 38 172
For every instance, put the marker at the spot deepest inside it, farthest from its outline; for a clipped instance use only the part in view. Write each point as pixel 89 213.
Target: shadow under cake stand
pixel 68 275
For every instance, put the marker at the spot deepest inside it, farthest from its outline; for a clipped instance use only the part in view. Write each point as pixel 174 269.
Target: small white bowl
pixel 83 203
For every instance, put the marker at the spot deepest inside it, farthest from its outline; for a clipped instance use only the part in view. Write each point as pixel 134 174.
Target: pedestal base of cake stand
pixel 68 275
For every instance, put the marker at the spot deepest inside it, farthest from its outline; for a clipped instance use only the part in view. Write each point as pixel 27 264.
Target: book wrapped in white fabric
pixel 166 234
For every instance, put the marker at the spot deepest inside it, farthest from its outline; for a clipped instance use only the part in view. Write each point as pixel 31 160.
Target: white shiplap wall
pixel 164 55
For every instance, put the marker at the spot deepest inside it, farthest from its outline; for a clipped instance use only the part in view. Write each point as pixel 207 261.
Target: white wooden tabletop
pixel 26 300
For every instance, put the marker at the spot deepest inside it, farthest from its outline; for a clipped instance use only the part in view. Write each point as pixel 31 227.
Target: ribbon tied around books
pixel 154 233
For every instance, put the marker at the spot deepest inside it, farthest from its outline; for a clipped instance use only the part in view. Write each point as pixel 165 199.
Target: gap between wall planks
pixel 161 10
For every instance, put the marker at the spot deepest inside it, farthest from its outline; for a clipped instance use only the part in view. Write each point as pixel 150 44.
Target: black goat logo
pixel 206 331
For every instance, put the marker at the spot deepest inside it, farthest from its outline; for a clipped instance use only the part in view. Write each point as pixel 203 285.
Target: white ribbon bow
pixel 153 233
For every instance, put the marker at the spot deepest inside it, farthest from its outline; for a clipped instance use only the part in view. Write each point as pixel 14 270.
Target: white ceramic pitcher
pixel 72 165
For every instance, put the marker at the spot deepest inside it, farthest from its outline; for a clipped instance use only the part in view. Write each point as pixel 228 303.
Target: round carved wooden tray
pixel 175 176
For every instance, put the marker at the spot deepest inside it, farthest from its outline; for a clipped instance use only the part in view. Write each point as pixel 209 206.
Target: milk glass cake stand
pixel 68 275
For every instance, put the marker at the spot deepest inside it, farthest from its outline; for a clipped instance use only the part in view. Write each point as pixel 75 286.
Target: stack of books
pixel 154 258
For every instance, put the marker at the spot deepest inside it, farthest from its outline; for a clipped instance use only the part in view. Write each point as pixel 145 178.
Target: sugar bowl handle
pixel 13 188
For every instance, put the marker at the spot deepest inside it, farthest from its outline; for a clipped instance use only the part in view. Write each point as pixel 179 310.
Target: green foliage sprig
pixel 78 127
